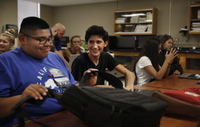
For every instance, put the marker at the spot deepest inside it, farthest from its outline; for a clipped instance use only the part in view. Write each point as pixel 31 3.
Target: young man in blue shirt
pixel 29 70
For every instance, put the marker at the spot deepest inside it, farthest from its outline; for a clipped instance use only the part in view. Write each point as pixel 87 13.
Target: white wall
pixel 25 9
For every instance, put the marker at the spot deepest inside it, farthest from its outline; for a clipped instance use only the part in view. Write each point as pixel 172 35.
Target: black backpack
pixel 107 107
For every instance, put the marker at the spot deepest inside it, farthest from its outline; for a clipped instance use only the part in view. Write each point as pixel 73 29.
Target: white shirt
pixel 143 76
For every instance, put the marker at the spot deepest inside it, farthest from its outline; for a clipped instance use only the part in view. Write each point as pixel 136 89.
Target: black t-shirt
pixel 83 63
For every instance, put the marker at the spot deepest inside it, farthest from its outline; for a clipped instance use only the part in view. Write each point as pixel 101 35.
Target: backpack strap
pixel 109 77
pixel 21 114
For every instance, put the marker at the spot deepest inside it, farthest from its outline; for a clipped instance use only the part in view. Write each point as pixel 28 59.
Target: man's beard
pixel 56 37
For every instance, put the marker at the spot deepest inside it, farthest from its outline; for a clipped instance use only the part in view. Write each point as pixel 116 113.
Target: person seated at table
pixel 82 49
pixel 147 66
pixel 96 39
pixel 167 43
pixel 29 70
pixel 74 48
pixel 7 40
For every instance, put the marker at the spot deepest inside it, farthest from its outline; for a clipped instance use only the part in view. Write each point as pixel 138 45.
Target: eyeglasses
pixel 42 40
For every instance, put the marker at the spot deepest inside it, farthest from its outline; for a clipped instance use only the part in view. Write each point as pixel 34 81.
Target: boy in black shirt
pixel 96 39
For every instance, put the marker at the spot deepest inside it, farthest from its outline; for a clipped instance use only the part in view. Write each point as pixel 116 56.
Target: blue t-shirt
pixel 57 44
pixel 18 70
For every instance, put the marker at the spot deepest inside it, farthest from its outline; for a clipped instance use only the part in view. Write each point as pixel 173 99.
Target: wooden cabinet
pixel 194 19
pixel 135 22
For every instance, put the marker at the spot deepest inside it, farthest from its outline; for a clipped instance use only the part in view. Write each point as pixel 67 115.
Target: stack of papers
pixel 140 28
pixel 120 20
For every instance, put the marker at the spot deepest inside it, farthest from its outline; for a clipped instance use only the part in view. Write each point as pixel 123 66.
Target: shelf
pixel 194 19
pixel 135 22
pixel 194 5
pixel 132 33
pixel 191 32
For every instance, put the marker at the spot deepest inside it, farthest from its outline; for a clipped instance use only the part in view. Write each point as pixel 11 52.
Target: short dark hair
pixel 96 30
pixel 31 24
pixel 150 49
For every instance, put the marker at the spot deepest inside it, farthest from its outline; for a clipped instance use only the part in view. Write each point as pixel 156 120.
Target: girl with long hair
pixel 166 45
pixel 147 64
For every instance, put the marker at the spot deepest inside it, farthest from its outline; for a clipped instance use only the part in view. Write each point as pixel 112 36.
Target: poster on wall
pixel 11 26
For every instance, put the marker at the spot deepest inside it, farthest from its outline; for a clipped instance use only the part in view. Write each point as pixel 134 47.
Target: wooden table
pixel 67 119
pixel 60 119
pixel 173 82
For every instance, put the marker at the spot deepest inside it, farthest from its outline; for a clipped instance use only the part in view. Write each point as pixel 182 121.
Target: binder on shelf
pixel 140 28
pixel 142 19
pixel 198 14
pixel 120 20
pixel 134 19
pixel 149 16
pixel 149 28
pixel 195 30
pixel 129 28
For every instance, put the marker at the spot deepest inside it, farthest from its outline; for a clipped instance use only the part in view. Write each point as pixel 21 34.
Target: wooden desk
pixel 67 119
pixel 173 82
pixel 60 119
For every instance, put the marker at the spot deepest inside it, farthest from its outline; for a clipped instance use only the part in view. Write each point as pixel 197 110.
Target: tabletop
pixel 66 118
pixel 173 82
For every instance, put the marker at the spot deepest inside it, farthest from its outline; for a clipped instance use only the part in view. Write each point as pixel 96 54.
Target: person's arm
pixel 6 103
pixel 162 57
pixel 176 72
pixel 163 70
pixel 91 81
pixel 168 70
pixel 176 68
pixel 129 75
pixel 67 54
pixel 78 49
pixel 58 53
pixel 33 90
pixel 82 50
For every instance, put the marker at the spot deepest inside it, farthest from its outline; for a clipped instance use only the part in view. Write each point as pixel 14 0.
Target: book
pixel 140 28
pixel 149 28
pixel 120 20
pixel 134 19
pixel 149 16
pixel 198 14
